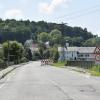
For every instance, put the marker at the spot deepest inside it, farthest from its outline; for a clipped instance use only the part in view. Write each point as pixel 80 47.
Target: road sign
pixel 97 55
pixel 97 50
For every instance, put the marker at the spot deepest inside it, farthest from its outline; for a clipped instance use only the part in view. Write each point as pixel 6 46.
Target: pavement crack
pixel 61 90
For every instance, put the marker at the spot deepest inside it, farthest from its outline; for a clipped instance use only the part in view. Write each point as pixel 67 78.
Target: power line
pixel 80 11
pixel 82 14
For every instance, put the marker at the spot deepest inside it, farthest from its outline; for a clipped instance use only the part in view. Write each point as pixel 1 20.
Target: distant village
pixel 89 54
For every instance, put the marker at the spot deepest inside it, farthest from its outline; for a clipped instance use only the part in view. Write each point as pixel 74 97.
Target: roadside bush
pixel 2 64
pixel 23 60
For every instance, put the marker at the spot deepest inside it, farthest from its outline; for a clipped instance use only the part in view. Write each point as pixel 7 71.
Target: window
pixel 87 55
pixel 81 55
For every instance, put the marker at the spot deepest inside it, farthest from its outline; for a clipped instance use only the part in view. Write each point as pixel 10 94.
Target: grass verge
pixel 95 71
pixel 59 64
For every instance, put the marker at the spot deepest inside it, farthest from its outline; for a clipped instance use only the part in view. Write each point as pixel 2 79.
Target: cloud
pixel 50 8
pixel 14 14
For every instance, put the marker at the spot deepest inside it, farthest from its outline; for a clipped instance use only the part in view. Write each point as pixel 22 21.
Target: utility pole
pixel 62 30
pixel 8 52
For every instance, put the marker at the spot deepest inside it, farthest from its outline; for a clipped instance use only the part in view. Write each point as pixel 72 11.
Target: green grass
pixel 59 64
pixel 95 71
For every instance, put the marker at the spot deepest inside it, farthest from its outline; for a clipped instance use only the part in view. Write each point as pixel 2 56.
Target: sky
pixel 82 13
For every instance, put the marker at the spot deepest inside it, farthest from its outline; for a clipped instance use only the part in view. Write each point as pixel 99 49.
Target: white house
pixel 31 45
pixel 77 53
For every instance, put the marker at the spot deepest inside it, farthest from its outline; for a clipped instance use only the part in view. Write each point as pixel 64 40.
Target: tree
pixel 54 32
pixel 76 41
pixel 54 54
pixel 46 54
pixel 29 54
pixel 55 37
pixel 92 42
pixel 43 37
pixel 14 49
pixel 24 30
pixel 42 48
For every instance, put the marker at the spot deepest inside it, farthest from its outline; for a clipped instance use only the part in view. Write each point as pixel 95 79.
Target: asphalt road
pixel 33 82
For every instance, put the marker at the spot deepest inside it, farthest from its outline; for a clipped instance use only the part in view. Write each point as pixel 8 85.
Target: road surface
pixel 33 82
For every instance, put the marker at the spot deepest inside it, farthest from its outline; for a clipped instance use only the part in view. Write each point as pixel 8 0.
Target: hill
pixel 23 30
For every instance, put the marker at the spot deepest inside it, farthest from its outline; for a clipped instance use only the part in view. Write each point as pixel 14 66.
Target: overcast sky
pixel 84 13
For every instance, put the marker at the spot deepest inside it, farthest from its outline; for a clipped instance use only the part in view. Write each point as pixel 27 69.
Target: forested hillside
pixel 23 30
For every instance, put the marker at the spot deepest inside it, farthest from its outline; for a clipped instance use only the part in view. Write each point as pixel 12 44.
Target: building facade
pixel 77 53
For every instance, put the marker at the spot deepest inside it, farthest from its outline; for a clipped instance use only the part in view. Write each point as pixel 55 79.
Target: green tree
pixel 54 54
pixel 76 41
pixel 43 37
pixel 46 54
pixel 42 49
pixel 92 42
pixel 55 37
pixel 15 50
pixel 22 31
pixel 54 32
pixel 29 54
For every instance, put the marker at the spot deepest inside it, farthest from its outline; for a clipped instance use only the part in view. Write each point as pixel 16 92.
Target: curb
pixel 77 69
pixel 6 71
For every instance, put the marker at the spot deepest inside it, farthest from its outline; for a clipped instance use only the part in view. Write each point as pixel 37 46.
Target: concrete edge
pixel 3 73
pixel 6 71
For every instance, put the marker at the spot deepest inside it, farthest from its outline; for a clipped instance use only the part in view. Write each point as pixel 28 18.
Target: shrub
pixel 23 60
pixel 2 64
